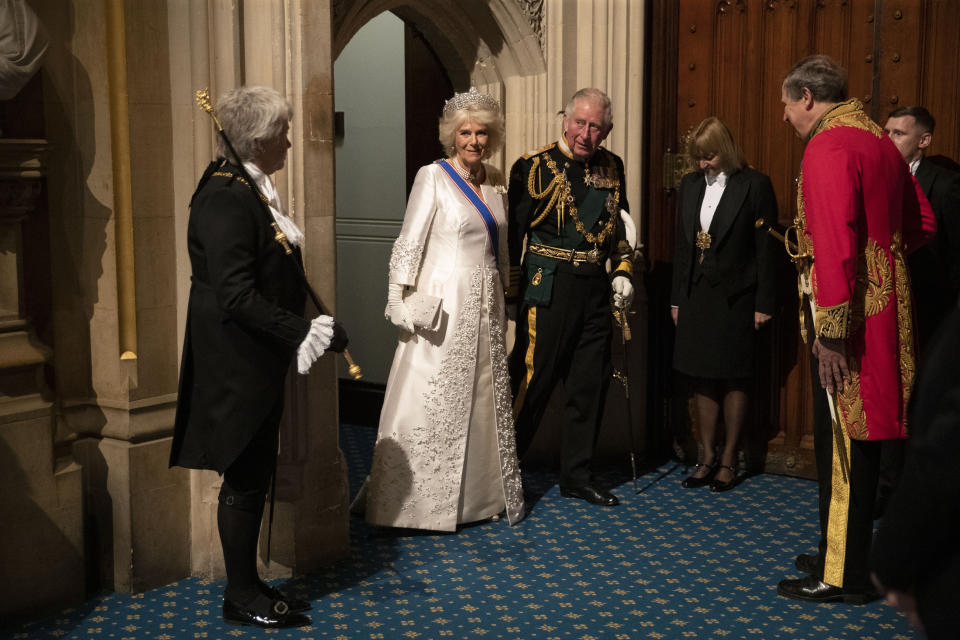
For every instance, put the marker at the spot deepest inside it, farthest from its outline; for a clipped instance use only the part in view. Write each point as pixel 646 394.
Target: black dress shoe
pixel 809 564
pixel 264 612
pixel 296 605
pixel 692 482
pixel 717 485
pixel 590 494
pixel 812 589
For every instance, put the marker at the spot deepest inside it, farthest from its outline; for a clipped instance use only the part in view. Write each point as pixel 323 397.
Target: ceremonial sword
pixel 797 257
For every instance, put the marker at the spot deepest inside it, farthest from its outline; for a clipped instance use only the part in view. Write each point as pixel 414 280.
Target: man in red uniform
pixel 858 213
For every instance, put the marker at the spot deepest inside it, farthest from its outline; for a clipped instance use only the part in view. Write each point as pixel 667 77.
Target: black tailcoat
pixel 244 323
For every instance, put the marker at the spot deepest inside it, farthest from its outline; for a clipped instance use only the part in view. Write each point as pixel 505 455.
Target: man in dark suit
pixel 915 559
pixel 935 267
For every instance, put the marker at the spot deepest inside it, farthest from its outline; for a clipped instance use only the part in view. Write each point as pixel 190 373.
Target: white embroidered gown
pixel 445 451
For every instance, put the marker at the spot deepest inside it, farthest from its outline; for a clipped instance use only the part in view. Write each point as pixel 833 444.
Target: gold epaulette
pixel 530 154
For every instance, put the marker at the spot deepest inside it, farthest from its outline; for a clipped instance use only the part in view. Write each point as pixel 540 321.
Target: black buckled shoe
pixel 692 481
pixel 590 494
pixel 813 589
pixel 717 485
pixel 808 564
pixel 263 611
pixel 296 605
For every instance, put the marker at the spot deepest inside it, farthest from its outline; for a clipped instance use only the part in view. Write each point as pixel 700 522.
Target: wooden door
pixel 728 58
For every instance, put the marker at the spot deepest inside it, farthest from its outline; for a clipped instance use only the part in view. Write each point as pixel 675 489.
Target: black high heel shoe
pixel 263 611
pixel 719 485
pixel 692 481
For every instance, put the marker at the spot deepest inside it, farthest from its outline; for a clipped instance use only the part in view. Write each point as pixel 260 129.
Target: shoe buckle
pixel 281 608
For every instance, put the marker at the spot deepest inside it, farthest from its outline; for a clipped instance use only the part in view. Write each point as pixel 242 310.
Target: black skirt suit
pixel 717 297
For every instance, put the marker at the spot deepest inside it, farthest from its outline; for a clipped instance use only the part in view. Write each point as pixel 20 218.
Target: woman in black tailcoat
pixel 245 324
pixel 723 291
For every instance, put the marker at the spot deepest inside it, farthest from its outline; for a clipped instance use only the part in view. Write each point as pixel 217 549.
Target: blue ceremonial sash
pixel 478 204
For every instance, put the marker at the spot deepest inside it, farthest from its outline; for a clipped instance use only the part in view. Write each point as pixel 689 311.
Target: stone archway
pixel 495 46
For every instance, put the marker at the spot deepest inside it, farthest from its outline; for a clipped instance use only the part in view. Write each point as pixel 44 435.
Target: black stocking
pixel 239 528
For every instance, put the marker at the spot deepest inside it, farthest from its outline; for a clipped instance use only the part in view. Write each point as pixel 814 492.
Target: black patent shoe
pixel 296 605
pixel 264 612
pixel 590 494
pixel 692 481
pixel 717 485
pixel 813 589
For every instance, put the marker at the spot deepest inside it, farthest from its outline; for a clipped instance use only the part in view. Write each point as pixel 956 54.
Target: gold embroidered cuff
pixel 833 322
pixel 625 266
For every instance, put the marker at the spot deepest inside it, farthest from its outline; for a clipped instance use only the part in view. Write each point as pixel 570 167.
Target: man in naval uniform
pixel 859 212
pixel 564 208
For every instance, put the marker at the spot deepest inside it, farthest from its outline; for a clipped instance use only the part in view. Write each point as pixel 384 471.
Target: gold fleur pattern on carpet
pixel 667 564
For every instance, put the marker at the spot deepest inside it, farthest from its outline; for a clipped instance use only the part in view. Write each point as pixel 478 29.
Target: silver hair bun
pixel 468 99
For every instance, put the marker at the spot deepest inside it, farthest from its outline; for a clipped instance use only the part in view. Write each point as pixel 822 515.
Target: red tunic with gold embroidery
pixel 860 211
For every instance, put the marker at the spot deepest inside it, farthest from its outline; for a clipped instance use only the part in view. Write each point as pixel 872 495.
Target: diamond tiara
pixel 468 99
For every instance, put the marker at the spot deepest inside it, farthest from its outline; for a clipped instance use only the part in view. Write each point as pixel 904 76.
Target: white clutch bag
pixel 424 309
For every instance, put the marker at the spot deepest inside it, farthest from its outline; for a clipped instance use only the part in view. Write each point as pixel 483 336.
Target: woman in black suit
pixel 245 324
pixel 723 290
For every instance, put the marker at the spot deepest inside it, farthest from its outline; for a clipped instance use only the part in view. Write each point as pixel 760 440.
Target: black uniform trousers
pixel 566 341
pixel 846 508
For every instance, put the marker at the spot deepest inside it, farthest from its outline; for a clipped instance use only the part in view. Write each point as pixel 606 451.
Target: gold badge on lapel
pixel 703 242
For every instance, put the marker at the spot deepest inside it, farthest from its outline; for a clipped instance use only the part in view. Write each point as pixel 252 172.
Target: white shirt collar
pixel 914 165
pixel 265 185
pixel 720 179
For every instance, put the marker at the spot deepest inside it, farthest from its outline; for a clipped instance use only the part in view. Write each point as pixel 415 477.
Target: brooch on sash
pixel 703 242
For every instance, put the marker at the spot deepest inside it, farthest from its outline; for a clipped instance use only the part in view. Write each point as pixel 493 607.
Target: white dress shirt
pixel 711 198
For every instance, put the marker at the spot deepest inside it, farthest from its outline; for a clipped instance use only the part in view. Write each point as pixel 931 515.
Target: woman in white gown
pixel 445 451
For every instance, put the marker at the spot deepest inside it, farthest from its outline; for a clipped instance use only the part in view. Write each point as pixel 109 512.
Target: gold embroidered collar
pixel 837 111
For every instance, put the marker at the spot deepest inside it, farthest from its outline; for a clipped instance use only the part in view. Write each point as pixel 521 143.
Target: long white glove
pixel 622 292
pixel 316 342
pixel 396 311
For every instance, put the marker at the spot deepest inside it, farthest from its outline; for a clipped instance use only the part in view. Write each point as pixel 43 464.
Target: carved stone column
pixel 41 530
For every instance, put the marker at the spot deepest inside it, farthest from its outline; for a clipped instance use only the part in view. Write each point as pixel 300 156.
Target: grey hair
pixel 821 75
pixel 592 95
pixel 250 116
pixel 489 119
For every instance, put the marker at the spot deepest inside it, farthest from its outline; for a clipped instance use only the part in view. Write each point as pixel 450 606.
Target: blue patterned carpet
pixel 668 564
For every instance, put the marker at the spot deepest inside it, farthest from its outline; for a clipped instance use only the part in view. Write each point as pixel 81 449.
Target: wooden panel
pixel 660 100
pixel 939 73
pixel 899 57
pixel 694 70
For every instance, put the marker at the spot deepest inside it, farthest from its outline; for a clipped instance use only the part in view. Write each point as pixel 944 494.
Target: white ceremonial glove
pixel 316 342
pixel 396 311
pixel 622 292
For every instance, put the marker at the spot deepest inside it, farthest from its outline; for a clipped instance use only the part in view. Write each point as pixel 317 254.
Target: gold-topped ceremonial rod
pixel 202 97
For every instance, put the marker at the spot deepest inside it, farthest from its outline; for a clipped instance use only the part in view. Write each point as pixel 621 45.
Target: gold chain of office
pixel 227 174
pixel 561 195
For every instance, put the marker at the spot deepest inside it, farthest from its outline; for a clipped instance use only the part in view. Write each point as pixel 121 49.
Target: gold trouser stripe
pixel 838 516
pixel 527 360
